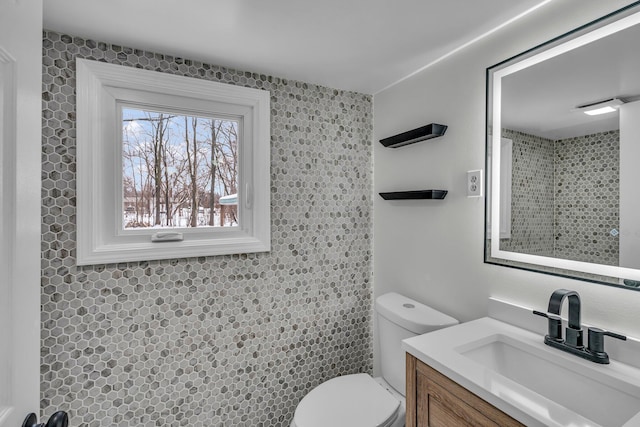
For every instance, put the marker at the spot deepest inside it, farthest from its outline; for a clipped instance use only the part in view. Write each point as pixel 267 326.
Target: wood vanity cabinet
pixel 434 400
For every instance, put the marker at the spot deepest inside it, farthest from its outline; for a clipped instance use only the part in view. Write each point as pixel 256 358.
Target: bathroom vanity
pixel 434 400
pixel 498 371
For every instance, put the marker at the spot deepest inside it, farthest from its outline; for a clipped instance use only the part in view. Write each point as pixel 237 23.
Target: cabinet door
pixel 434 400
pixel 438 407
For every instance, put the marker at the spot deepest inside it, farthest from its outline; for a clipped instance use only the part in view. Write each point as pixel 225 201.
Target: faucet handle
pixel 555 325
pixel 596 339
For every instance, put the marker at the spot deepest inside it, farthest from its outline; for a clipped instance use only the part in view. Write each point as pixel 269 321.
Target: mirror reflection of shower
pixel 577 198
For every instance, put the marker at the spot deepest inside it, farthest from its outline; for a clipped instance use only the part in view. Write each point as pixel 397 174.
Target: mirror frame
pixel 623 277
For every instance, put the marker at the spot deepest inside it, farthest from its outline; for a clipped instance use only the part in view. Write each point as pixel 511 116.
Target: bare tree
pixel 227 161
pixel 192 166
pixel 153 154
pixel 130 153
pixel 179 163
pixel 215 126
pixel 159 127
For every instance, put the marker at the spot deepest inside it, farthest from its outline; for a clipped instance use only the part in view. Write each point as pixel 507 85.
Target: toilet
pixel 358 400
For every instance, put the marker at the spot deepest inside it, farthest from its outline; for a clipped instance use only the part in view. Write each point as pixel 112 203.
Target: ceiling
pixel 358 45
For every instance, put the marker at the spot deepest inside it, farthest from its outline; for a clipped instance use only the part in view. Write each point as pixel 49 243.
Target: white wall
pixel 433 250
pixel 629 200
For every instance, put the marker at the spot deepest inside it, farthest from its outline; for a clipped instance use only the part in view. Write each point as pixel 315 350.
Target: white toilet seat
pixel 351 400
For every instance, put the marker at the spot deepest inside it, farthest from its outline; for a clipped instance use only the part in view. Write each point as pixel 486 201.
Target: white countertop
pixel 443 350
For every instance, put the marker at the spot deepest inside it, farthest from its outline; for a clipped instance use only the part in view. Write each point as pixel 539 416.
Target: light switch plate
pixel 474 183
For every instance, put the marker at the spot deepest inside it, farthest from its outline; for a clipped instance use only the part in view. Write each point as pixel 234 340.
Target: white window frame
pixel 101 89
pixel 506 177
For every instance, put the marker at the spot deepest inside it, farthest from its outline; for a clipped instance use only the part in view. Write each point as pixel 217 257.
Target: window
pixel 169 166
pixel 178 170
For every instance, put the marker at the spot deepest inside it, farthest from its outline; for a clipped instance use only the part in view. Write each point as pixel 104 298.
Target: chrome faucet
pixel 573 342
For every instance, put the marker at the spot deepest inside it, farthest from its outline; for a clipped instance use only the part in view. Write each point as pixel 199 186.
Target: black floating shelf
pixel 415 195
pixel 430 131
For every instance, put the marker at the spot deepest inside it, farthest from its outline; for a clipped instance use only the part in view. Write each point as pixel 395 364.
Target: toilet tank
pixel 398 318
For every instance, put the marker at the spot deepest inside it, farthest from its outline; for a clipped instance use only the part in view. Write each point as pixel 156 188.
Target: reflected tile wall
pixel 213 341
pixel 587 197
pixel 531 195
pixel 565 196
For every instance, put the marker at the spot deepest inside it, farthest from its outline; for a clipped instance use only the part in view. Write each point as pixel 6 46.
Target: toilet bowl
pixel 358 400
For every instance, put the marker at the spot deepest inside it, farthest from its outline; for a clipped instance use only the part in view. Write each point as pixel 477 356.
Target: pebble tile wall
pixel 587 197
pixel 214 341
pixel 531 195
pixel 565 199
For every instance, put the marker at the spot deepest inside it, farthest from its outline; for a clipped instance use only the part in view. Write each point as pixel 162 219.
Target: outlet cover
pixel 474 183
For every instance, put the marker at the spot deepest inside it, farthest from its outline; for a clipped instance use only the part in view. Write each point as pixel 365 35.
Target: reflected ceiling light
pixel 601 107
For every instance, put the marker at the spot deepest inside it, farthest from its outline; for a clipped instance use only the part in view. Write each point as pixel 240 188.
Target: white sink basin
pixel 513 369
pixel 585 390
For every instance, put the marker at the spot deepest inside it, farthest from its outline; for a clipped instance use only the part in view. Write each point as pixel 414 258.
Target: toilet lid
pixel 352 400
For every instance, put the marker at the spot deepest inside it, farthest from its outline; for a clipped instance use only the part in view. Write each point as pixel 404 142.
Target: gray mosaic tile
pixel 532 204
pixel 587 194
pixel 565 197
pixel 213 341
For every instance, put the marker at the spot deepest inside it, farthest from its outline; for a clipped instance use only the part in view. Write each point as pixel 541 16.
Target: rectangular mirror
pixel 563 148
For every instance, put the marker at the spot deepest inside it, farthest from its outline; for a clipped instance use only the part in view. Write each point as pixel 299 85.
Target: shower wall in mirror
pixel 565 196
pixel 570 110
